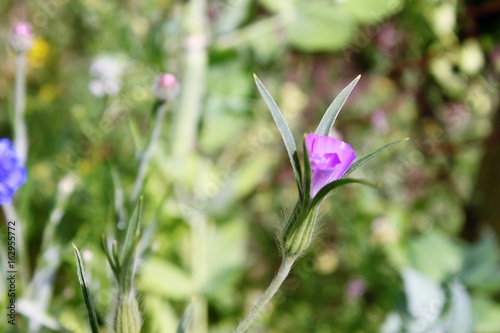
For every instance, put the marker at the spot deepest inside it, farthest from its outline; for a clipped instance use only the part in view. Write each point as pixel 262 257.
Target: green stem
pixel 284 270
pixel 21 135
pixel 199 232
pixel 148 153
pixel 187 118
pixel 21 259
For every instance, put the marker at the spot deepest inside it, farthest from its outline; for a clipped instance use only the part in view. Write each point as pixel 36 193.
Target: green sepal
pixel 333 110
pixel 89 304
pixel 333 185
pixel 285 132
pixel 307 175
pixel 369 156
pixel 299 232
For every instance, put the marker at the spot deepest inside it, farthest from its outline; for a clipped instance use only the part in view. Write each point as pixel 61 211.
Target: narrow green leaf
pixel 333 110
pixel 359 162
pixel 116 257
pixel 307 174
pixel 86 292
pixel 333 185
pixel 132 229
pixel 186 318
pixel 111 260
pixel 285 132
pixel 126 278
pixel 129 251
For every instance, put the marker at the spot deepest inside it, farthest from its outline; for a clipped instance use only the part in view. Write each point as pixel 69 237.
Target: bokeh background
pixel 420 254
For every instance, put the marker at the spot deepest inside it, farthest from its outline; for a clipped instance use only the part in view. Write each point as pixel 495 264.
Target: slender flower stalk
pixel 148 153
pixel 22 259
pixel 21 40
pixel 187 119
pixel 21 134
pixel 284 270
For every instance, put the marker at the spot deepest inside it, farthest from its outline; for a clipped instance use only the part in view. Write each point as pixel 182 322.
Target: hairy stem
pixel 148 153
pixel 284 270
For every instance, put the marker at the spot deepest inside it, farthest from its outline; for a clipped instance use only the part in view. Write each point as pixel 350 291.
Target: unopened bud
pixel 166 87
pixel 299 232
pixel 21 38
pixel 127 316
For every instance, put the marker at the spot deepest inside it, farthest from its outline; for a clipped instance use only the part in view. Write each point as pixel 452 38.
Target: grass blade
pixel 285 132
pixel 369 156
pixel 186 318
pixel 86 292
pixel 333 110
pixel 333 185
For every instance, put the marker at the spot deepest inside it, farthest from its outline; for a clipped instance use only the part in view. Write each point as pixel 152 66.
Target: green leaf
pixel 460 318
pixel 165 279
pixel 373 11
pixel 86 292
pixel 127 258
pixel 422 292
pixel 132 229
pixel 333 110
pixel 333 185
pixel 286 134
pixel 186 318
pixel 314 26
pixel 359 162
pixel 111 260
pixel 422 250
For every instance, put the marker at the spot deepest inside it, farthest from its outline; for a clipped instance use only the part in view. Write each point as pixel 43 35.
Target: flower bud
pixel 127 316
pixel 166 87
pixel 298 233
pixel 21 38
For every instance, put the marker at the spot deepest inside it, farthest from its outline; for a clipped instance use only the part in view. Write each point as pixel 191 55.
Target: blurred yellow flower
pixel 38 55
pixel 47 93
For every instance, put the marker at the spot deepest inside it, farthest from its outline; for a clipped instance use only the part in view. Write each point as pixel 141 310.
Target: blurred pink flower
pixel 21 38
pixel 356 288
pixel 166 87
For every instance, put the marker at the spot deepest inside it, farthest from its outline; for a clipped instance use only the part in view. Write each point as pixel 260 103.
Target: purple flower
pixel 12 173
pixel 330 158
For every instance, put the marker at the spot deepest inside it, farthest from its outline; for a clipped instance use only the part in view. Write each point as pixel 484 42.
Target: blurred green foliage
pixel 420 252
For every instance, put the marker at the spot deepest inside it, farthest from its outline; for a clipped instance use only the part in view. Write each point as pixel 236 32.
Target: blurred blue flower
pixel 12 172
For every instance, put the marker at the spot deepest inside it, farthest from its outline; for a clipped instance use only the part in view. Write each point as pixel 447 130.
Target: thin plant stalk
pixel 186 133
pixel 199 259
pixel 21 258
pixel 148 153
pixel 21 134
pixel 284 270
pixel 187 118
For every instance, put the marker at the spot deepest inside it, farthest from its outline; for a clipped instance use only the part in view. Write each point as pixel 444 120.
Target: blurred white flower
pixel 108 71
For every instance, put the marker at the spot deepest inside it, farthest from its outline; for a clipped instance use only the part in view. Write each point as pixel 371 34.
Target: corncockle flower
pixel 330 158
pixel 166 87
pixel 12 172
pixel 21 38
